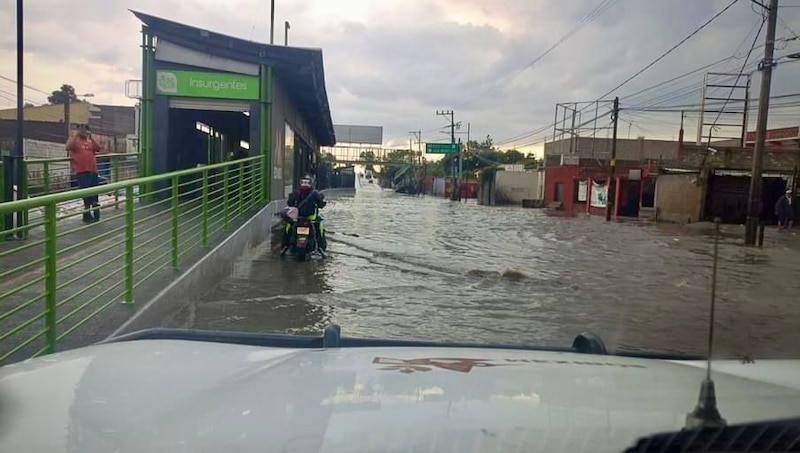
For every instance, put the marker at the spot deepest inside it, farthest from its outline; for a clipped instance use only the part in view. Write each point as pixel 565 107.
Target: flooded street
pixel 427 268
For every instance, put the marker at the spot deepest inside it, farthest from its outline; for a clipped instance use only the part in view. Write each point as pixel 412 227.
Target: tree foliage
pixel 62 95
pixel 479 155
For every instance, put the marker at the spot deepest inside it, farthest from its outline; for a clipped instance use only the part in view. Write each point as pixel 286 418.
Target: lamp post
pixel 272 22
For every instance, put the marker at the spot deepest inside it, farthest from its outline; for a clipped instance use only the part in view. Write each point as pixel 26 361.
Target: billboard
pixel 362 135
pixel 777 135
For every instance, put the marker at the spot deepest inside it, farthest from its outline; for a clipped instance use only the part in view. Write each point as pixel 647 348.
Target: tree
pixel 396 160
pixel 369 158
pixel 513 157
pixel 62 95
pixel 327 158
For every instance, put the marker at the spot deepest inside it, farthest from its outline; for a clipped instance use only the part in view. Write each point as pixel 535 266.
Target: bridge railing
pixel 62 271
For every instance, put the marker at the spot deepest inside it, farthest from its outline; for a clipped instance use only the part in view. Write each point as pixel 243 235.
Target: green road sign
pixel 219 85
pixel 441 148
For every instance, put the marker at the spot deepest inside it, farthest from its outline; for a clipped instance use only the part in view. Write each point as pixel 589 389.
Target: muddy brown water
pixel 426 268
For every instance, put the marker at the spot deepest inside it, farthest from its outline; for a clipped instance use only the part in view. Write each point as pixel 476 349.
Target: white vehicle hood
pixel 181 396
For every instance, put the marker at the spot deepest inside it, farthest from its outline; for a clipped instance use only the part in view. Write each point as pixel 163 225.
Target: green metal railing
pixel 46 176
pixel 64 273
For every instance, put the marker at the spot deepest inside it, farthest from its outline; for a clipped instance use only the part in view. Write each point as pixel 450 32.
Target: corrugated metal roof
pixel 300 69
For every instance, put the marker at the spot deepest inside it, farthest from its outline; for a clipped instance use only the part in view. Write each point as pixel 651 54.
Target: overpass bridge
pixel 375 155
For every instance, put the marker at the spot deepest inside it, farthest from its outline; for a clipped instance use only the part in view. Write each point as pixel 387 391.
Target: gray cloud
pixel 395 62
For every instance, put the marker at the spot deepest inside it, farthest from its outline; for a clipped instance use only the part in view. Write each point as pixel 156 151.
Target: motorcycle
pixel 302 236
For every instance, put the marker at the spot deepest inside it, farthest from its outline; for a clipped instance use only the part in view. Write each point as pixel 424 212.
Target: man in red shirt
pixel 82 153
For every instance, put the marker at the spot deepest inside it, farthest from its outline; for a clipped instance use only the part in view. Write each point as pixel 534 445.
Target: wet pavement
pixel 426 268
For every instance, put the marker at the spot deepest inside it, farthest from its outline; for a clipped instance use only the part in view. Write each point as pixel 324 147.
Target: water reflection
pixel 419 267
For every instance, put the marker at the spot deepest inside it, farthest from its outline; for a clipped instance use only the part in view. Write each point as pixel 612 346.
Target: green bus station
pixel 228 127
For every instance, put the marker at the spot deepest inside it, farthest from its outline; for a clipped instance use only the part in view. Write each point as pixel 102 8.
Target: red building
pixel 577 171
pixel 583 188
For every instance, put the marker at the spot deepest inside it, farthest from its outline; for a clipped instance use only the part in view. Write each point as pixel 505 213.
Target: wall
pixel 39 149
pixel 627 149
pixel 735 158
pixel 212 268
pixel 58 171
pixel 678 199
pixel 566 176
pixel 511 187
pixel 283 111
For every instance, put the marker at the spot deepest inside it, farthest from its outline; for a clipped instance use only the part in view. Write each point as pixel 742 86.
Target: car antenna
pixel 705 414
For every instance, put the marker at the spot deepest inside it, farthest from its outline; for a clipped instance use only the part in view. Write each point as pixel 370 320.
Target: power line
pixel 598 10
pixel 673 48
pixel 26 86
pixel 736 82
pixel 788 28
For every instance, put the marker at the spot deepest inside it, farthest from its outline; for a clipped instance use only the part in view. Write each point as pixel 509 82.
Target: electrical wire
pixel 670 50
pixel 736 82
pixel 595 13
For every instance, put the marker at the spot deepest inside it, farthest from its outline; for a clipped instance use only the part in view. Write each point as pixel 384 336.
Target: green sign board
pixel 441 148
pixel 218 85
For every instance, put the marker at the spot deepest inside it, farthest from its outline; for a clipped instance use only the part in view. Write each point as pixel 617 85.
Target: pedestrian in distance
pixel 83 151
pixel 785 211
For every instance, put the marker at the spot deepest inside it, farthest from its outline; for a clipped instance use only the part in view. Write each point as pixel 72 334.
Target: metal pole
pixel 19 154
pixel 286 28
pixel 67 115
pixel 272 22
pixel 746 117
pixel 609 202
pixel 51 278
pixel 703 94
pixel 461 164
pixel 754 202
pixel 129 232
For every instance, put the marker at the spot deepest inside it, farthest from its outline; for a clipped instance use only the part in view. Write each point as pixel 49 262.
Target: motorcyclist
pixel 308 203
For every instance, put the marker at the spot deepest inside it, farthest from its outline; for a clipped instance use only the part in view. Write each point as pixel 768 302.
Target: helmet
pixel 307 181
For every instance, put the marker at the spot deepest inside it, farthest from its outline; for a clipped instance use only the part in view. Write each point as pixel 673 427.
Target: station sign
pixel 217 85
pixel 441 148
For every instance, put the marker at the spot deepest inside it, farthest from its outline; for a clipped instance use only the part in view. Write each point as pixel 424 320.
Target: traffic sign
pixel 441 148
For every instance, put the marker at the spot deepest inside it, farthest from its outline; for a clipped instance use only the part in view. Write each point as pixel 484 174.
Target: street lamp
pixel 794 56
pixel 67 103
pixel 286 27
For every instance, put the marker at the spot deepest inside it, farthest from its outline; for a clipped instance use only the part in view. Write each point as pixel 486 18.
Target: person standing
pixel 784 209
pixel 83 159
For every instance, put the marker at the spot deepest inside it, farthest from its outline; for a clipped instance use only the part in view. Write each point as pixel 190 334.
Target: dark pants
pixel 86 180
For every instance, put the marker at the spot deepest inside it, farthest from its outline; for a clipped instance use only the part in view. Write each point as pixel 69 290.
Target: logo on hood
pixel 424 365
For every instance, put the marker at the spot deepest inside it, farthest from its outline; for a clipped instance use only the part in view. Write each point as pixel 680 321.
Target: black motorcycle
pixel 303 237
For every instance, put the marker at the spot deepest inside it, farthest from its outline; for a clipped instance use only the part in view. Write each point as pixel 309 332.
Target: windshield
pixel 611 179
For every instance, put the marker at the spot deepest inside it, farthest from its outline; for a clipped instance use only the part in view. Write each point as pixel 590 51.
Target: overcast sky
pixel 394 63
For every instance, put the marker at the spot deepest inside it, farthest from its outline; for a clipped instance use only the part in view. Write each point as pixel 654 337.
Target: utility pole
pixel 746 116
pixel 754 203
pixel 272 22
pixel 609 196
pixel 461 166
pixel 67 109
pixel 703 94
pixel 451 114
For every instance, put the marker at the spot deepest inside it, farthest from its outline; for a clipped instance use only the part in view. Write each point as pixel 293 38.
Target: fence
pixel 58 279
pixel 46 176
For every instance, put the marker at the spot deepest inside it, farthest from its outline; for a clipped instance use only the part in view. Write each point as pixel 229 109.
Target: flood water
pixel 427 268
